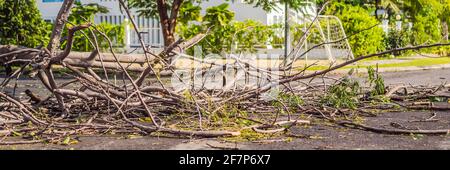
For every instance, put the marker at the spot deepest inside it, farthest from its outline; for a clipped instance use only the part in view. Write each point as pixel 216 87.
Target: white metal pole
pixel 287 36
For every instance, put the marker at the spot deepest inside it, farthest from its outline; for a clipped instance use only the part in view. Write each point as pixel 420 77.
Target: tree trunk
pixel 168 23
pixel 169 37
pixel 58 26
pixel 377 8
pixel 445 30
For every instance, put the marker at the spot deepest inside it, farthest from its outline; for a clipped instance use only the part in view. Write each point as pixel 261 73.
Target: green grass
pixel 407 63
pixel 419 62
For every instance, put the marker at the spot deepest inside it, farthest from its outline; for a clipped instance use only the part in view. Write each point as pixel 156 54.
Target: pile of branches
pixel 92 104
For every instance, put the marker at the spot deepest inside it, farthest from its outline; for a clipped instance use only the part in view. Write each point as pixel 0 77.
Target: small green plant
pixel 375 81
pixel 343 94
pixel 290 100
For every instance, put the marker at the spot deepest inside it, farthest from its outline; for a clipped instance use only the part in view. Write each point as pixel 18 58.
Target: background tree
pixel 445 18
pixel 430 11
pixel 269 5
pixel 21 24
pixel 82 13
pixel 392 6
pixel 225 32
pixel 85 12
pixel 426 16
pixel 168 11
pixel 189 12
pixel 219 15
pixel 356 20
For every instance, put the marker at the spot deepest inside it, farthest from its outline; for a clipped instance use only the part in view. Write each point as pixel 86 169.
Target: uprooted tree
pixel 91 103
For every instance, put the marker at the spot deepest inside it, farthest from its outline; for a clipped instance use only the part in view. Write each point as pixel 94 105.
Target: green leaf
pixel 66 140
pixel 16 133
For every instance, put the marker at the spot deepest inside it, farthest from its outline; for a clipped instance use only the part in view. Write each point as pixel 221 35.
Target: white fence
pixel 149 29
pixel 152 37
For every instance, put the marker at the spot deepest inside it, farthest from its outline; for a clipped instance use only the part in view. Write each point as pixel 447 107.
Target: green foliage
pixel 249 34
pixel 427 17
pixel 173 9
pixel 375 81
pixel 218 15
pixel 21 24
pixel 355 19
pixel 289 100
pixel 144 7
pixel 189 12
pixel 226 33
pixel 397 39
pixel 83 13
pixel 116 34
pixel 426 28
pixel 150 8
pixel 445 13
pixel 350 2
pixel 271 5
pixel 343 94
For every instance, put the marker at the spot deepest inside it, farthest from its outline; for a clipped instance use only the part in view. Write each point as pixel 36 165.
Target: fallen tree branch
pixel 392 131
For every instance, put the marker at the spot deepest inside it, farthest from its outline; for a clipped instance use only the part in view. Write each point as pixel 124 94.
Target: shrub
pixel 354 20
pixel 426 27
pixel 397 39
pixel 21 24
pixel 342 95
pixel 226 33
pixel 83 13
pixel 116 34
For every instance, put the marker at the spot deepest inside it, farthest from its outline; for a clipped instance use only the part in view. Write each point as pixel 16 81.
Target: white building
pixel 151 27
pixel 50 8
pixel 244 11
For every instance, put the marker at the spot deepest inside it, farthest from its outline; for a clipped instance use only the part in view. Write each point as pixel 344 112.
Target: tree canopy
pixel 171 11
pixel 21 23
pixel 82 12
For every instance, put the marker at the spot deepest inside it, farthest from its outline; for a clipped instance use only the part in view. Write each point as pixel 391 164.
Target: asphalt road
pixel 422 77
pixel 325 137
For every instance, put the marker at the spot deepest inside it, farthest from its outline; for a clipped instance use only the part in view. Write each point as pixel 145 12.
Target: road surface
pixel 321 136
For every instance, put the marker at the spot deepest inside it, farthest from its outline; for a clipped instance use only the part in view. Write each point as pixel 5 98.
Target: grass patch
pixel 418 62
pixel 421 62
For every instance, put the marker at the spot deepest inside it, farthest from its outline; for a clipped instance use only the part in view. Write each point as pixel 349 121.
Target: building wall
pixel 149 27
pixel 242 11
pixel 50 8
